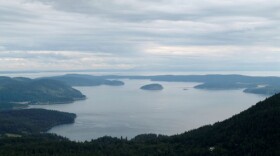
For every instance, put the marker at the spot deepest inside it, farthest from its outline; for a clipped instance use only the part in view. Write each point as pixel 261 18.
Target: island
pixel 153 86
pixel 23 91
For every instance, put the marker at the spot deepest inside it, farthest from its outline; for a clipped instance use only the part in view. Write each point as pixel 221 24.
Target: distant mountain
pixel 255 131
pixel 85 80
pixel 153 86
pixel 35 91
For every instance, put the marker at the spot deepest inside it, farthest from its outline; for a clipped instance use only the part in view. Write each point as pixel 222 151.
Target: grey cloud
pixel 134 10
pixel 10 14
pixel 106 30
pixel 126 28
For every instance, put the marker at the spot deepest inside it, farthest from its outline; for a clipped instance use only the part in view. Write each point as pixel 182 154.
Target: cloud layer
pixel 140 34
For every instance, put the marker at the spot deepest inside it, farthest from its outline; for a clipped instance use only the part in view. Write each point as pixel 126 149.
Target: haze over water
pixel 128 111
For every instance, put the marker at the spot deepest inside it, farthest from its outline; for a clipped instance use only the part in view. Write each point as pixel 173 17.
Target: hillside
pixel 26 121
pixel 36 91
pixel 255 131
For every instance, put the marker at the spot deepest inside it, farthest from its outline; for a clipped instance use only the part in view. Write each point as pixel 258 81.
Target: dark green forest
pixel 30 121
pixel 253 132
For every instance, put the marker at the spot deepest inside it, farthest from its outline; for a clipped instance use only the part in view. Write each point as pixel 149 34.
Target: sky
pixel 140 35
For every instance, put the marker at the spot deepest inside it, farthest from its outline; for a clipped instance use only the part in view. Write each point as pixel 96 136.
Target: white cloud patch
pixel 214 51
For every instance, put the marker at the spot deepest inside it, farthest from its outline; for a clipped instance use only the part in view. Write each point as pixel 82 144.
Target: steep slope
pixel 255 131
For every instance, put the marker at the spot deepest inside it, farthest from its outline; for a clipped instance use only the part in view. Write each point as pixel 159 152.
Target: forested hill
pixel 255 131
pixel 34 91
pixel 30 121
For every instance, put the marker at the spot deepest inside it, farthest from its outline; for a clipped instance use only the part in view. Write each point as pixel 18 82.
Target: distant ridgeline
pixel 85 80
pixel 20 91
pixel 255 131
pixel 250 84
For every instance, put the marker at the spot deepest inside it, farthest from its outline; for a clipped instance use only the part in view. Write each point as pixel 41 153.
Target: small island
pixel 153 86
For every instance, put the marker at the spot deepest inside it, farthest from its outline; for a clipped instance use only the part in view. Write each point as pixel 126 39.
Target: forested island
pixel 22 91
pixel 254 131
pixel 153 86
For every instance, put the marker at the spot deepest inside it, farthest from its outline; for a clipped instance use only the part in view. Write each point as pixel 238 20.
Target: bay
pixel 127 111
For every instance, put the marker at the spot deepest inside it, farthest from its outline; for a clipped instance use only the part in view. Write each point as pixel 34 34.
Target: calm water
pixel 128 111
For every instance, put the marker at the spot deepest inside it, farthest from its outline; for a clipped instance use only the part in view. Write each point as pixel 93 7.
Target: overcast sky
pixel 149 35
